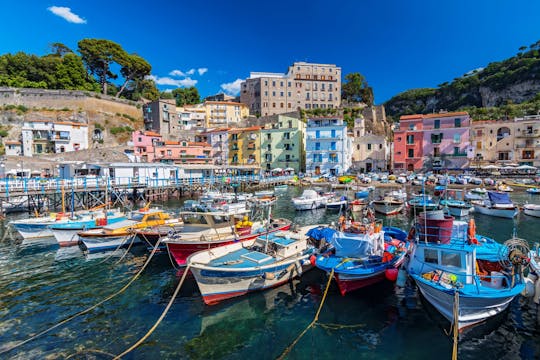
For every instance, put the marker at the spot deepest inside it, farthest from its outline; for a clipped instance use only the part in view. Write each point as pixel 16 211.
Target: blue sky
pixel 396 44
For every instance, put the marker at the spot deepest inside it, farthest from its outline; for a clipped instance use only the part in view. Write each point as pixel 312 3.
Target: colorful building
pixel 370 152
pixel 224 113
pixel 245 146
pixel 408 140
pixel 53 137
pixel 283 143
pixel 219 140
pixel 328 148
pixel 143 143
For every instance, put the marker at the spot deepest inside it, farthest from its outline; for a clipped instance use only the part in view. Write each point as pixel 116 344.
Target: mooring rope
pixel 154 327
pixel 131 242
pixel 88 309
pixel 456 325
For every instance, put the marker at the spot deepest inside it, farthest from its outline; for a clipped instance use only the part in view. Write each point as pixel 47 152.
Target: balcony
pixel 457 155
pixel 528 133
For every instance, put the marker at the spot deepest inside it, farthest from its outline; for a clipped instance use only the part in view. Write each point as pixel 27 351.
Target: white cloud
pixel 187 82
pixel 190 72
pixel 202 71
pixel 232 88
pixel 66 14
pixel 177 73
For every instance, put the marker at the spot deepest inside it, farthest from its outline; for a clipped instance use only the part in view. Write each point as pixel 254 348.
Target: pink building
pixel 408 141
pixel 150 147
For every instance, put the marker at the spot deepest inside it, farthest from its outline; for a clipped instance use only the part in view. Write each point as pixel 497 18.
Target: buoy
pixel 312 260
pixel 391 274
pixel 528 291
pixel 402 277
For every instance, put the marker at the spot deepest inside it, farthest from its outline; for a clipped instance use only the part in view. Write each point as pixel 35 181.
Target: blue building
pixel 328 148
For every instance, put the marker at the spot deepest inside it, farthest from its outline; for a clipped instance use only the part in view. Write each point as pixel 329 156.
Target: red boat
pixel 202 231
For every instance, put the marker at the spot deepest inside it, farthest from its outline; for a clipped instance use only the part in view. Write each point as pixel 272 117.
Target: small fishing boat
pixel 422 202
pixel 398 194
pixel 363 254
pixel 504 188
pixel 151 235
pixel 113 236
pixel 345 179
pixel 263 193
pixel 337 203
pixel 358 205
pixel 309 200
pixel 475 196
pixel 454 268
pixel 497 204
pixel 389 205
pixel 65 233
pixel 481 191
pixel 39 227
pixel 533 191
pixel 281 188
pixel 455 207
pixel 261 263
pixel 532 210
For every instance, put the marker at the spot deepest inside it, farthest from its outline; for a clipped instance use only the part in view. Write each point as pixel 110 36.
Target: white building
pixel 369 152
pixel 328 148
pixel 47 137
pixel 13 148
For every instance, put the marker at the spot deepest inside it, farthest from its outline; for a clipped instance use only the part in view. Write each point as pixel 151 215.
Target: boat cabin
pixel 282 244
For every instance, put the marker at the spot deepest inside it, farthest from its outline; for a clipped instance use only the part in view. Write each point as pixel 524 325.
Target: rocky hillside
pixel 512 81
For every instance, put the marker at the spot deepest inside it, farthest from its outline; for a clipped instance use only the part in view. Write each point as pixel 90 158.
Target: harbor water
pixel 42 284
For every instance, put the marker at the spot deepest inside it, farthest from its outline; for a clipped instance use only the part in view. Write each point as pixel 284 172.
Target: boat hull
pixel 531 211
pixel 387 208
pixel 66 237
pixel 472 310
pixel 106 243
pixel 458 211
pixel 503 213
pixel 302 205
pixel 33 231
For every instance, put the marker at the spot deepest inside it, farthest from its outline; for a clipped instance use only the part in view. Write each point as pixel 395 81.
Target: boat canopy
pixel 499 198
pixel 352 245
pixel 321 232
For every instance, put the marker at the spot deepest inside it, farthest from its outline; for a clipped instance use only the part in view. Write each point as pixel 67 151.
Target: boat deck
pixel 242 258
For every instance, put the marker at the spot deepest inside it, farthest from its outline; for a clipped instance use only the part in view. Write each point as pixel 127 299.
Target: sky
pixel 396 44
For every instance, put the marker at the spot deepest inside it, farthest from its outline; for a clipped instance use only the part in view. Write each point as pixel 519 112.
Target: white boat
pixel 532 210
pixel 454 266
pixel 264 262
pixel 456 207
pixel 389 205
pixel 504 188
pixel 337 203
pixel 281 188
pixel 398 194
pixel 263 193
pixel 309 200
pixel 481 191
pixel 497 204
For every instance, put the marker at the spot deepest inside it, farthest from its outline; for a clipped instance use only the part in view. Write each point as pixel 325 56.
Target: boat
pixel 497 204
pixel 65 233
pixel 215 229
pixel 281 188
pixel 113 236
pixel 422 203
pixel 363 254
pixel 458 208
pixel 151 235
pixel 39 227
pixel 264 262
pixel 475 196
pixel 478 190
pixel 309 200
pixel 358 205
pixel 361 194
pixel 504 188
pixel 532 210
pixel 388 205
pixel 398 194
pixel 345 179
pixel 534 191
pixel 453 266
pixel 263 193
pixel 337 203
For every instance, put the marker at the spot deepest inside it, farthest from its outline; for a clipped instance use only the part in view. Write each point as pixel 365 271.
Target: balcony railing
pixel 527 133
pixel 458 154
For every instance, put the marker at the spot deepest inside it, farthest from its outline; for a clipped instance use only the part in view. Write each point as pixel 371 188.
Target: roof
pixel 57 122
pixel 198 143
pixel 150 133
pixel 215 130
pixel 411 117
pixel 225 103
pixel 439 115
pixel 239 130
pixel 172 143
pixel 12 142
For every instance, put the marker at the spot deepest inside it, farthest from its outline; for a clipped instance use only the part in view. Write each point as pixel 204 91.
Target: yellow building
pixel 224 113
pixel 245 146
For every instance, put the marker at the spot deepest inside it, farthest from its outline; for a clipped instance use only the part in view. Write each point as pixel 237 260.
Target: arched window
pixel 502 133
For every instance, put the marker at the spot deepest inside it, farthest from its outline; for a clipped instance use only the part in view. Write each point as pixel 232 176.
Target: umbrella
pixel 277 169
pixel 526 167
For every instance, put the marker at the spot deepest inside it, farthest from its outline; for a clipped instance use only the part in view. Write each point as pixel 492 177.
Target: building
pixel 224 113
pixel 283 143
pixel 304 86
pixel 13 148
pixel 191 117
pixel 506 141
pixel 432 142
pixel 143 144
pixel 49 137
pixel 160 116
pixel 245 146
pixel 219 140
pixel 328 147
pixel 221 97
pixel 370 152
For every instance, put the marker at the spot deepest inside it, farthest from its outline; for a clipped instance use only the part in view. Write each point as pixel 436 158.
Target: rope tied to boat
pixel 454 327
pixel 82 312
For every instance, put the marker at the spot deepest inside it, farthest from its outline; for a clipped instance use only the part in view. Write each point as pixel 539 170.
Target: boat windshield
pixel 136 216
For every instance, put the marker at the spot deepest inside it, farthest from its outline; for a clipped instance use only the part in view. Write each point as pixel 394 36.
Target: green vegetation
pixel 120 129
pixel 186 96
pixel 99 126
pixel 129 117
pixel 463 93
pixel 356 89
pixel 349 114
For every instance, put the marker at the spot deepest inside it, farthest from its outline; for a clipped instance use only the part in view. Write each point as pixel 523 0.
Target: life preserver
pixel 412 233
pixel 471 233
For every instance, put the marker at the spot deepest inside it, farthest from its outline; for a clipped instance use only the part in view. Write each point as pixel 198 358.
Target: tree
pixel 356 89
pixel 133 67
pixel 166 95
pixel 60 49
pixel 99 55
pixel 186 96
pixel 71 74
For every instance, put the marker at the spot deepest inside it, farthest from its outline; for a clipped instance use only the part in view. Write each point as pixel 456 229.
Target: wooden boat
pixel 422 203
pixel 257 264
pixel 113 236
pixel 498 204
pixel 533 191
pixel 532 210
pixel 309 200
pixel 281 188
pixel 364 254
pixel 336 203
pixel 389 205
pixel 151 235
pixel 202 231
pixel 504 188
pixel 455 207
pixel 358 205
pixel 450 261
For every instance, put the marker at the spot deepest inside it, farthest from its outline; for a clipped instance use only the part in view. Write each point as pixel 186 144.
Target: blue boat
pixel 534 191
pixel 364 254
pixel 361 194
pixel 454 267
pixel 422 203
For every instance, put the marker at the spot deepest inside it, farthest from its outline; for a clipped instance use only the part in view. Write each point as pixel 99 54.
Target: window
pixel 269 147
pixel 333 145
pixel 273 83
pixel 410 139
pixel 265 83
pixel 431 256
pixel 411 153
pixel 273 93
pixel 317 134
pixel 504 155
pixel 457 122
pixel 436 138
pixel 479 145
pixel 358 147
pixel 287 136
pixel 456 150
pixel 333 133
pixel 369 146
pixel 436 152
pixel 307 96
pixel 330 98
pixel 139 139
pixel 281 83
pixel 281 93
pixel 437 124
pixel 169 152
pixel 450 259
pixel 289 94
pixel 411 126
pixel 273 105
pixel 234 137
pixel 479 132
pixel 317 146
pixel 289 85
pixel 281 105
pixel 380 146
pixel 269 136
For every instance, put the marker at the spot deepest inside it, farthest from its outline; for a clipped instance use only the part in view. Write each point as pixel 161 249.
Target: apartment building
pixel 304 86
pixel 408 139
pixel 245 146
pixel 328 148
pixel 370 152
pixel 224 113
pixel 50 137
pixel 283 143
pixel 160 116
pixel 219 140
